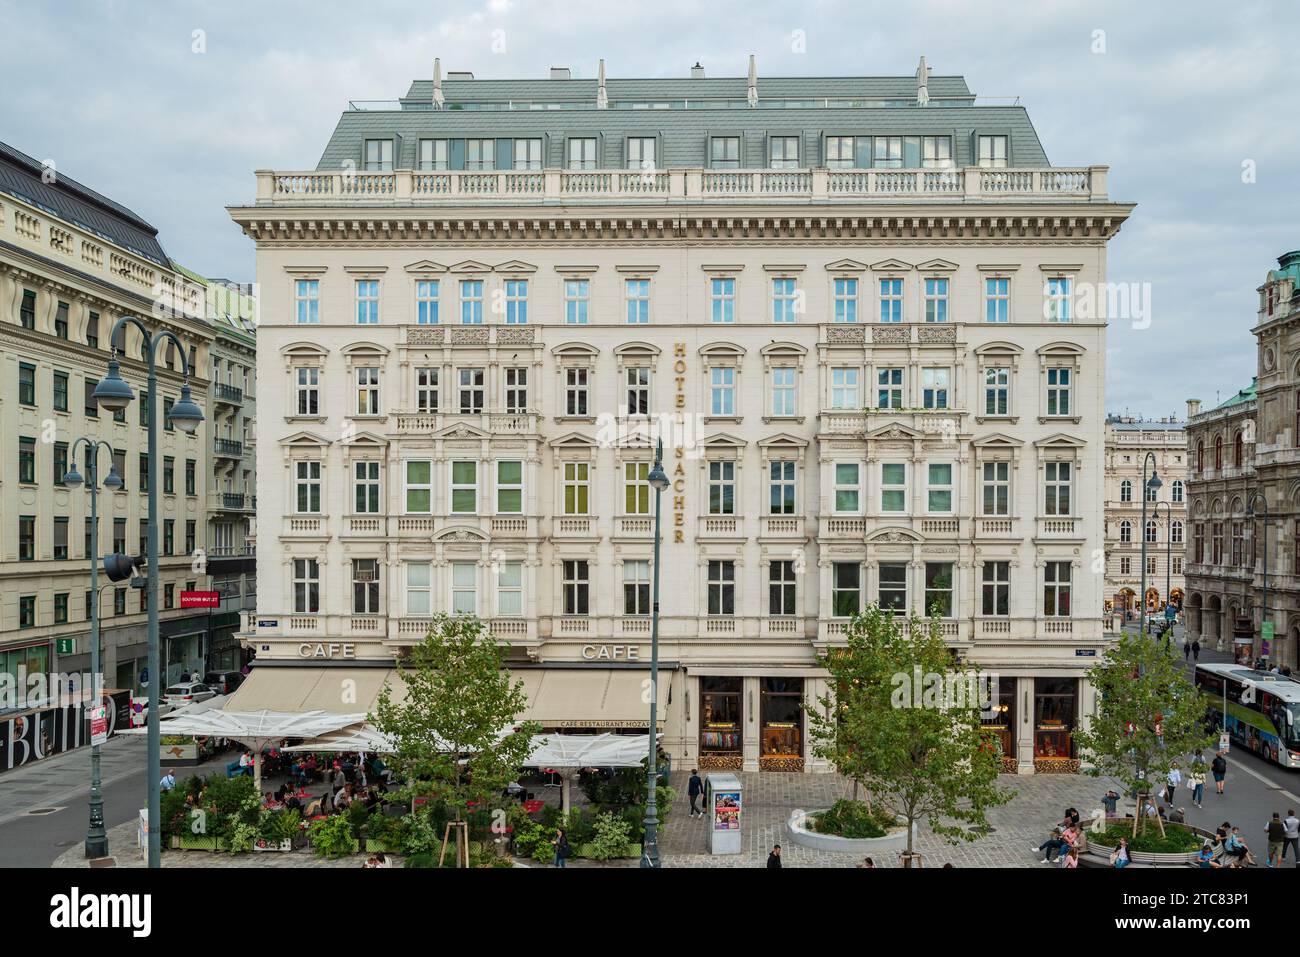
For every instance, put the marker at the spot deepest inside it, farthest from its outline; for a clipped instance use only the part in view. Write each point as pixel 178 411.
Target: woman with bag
pixel 1119 856
pixel 1196 779
pixel 561 843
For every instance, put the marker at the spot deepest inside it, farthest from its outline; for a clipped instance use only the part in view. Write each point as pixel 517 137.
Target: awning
pixel 589 697
pixel 339 690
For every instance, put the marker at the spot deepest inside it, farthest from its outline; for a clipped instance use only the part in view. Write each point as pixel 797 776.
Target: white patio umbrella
pixel 567 753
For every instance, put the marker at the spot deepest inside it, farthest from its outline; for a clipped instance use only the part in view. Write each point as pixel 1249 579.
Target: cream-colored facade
pixel 1134 447
pixel 62 286
pixel 816 464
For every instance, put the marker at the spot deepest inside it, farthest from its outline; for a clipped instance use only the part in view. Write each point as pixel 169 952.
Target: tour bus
pixel 1269 724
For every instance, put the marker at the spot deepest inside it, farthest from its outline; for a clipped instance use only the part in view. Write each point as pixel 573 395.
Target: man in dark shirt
pixel 695 788
pixel 774 859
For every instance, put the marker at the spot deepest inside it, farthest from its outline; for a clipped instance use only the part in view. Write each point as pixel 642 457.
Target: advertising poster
pixel 726 810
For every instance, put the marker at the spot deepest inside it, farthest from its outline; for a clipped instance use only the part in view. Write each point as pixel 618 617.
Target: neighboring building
pixel 1128 443
pixel 871 349
pixel 71 263
pixel 232 499
pixel 1246 481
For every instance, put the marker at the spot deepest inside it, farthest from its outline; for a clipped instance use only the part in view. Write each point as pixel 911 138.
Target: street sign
pixel 99 725
pixel 65 646
pixel 1085 652
pixel 138 706
pixel 1225 739
pixel 1266 630
pixel 200 599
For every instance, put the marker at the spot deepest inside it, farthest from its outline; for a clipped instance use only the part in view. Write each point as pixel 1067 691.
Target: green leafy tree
pixel 456 736
pixel 1149 714
pixel 902 720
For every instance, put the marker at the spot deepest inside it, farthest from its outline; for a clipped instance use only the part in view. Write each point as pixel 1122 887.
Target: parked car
pixel 187 692
pixel 223 682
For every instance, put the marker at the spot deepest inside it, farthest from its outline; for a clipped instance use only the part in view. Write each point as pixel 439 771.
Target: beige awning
pixel 588 697
pixel 339 690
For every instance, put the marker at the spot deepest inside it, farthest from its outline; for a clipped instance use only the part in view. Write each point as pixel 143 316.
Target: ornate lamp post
pixel 1169 546
pixel 114 394
pixel 96 838
pixel 658 479
pixel 1250 513
pixel 1153 484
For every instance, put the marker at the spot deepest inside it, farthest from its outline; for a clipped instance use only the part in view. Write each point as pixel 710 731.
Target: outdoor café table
pixel 532 807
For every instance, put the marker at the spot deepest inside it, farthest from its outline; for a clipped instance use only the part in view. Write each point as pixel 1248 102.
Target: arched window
pixel 1176 491
pixel 1200 456
pixel 1151 530
pixel 1218 451
pixel 1236 451
pixel 1126 531
pixel 1176 533
pixel 1126 491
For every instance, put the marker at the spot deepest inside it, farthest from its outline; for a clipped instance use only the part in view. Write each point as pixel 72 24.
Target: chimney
pixel 922 84
pixel 697 71
pixel 602 98
pixel 753 82
pixel 1193 408
pixel 437 83
pixel 559 73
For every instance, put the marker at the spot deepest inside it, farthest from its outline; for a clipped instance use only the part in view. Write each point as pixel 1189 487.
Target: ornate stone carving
pixel 937 333
pixel 891 334
pixel 842 334
pixel 425 336
pixel 515 336
pixel 469 335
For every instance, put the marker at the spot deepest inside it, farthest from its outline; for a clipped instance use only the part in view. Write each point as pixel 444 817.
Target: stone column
pixel 1024 731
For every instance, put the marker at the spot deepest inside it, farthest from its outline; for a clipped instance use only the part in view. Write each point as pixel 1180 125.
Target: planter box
pixel 632 850
pixel 894 841
pixel 1172 859
pixel 376 845
pixel 197 842
pixel 278 847
pixel 178 755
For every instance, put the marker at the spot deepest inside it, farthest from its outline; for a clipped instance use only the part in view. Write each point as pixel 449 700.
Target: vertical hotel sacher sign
pixel 679 473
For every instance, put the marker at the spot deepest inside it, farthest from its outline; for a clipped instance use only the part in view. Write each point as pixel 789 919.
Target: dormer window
pixel 992 152
pixel 379 156
pixel 724 152
pixel 582 152
pixel 480 154
pixel 433 155
pixel 783 152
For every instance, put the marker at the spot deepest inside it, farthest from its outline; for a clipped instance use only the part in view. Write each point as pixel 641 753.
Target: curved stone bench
pixel 892 843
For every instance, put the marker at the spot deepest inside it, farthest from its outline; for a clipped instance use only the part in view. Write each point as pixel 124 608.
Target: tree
pixel 1148 714
pixel 455 732
pixel 902 720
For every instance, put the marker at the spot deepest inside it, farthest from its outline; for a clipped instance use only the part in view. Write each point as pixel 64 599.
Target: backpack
pixel 1219 764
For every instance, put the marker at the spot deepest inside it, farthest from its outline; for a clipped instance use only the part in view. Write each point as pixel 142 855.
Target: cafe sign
pixel 611 652
pixel 332 649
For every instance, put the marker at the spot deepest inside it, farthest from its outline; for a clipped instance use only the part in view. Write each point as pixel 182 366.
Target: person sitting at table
pixel 343 798
pixel 372 798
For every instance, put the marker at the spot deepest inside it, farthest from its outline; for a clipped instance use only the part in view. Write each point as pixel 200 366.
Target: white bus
pixel 1267 721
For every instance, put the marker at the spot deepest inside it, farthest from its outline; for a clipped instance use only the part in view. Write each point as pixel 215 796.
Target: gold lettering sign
pixel 679 483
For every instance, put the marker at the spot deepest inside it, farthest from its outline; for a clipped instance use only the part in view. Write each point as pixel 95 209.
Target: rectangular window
pixel 464 588
pixel 893 487
pixel 365 586
pixel 61 537
pixel 893 587
pixel 576 587
pixel 510 488
pixel 641 153
pixel 582 152
pixel 464 488
pixel 510 589
pixel 575 301
pixel 471 302
pixel 936 152
pixel 722 488
pixel 781 487
pixel 365 488
pixel 722 390
pixel 418 589
pixel 419 487
pixel 938 589
pixel 169 475
pixel 783 391
pixel 848 488
pixel 785 300
pixel 1057 488
pixel 27 460
pixel 60 462
pixel 1057 306
pixel 846 300
pixel 308 388
pixel 638 390
pixel 888 152
pixel 119 466
pixel 1056 590
pixel 889 392
pixel 191 527
pixel 61 608
pixel 992 152
pixel 891 300
pixel 426 302
pixel 724 152
pixel 367 302
pixel 516 380
pixel 846 589
pixel 934 388
pixel 144 472
pixel 368 390
pixel 90 407
pixel 997 300
pixel 433 155
pixel 379 156
pixel 844 389
pixel 306 300
pixel 722 300
pixel 1058 391
pixel 577 477
pixel 997 390
pixel 516 301
pixel 575 392
pixel 27 384
pixel 61 320
pixel 528 154
pixel 308 488
pixel 480 154
pixel 191 477
pixel 939 488
pixel 426 389
pixel 783 152
pixel 841 152
pixel 636 587
pixel 92 330
pixel 306 586
pixel 995 589
pixel 119 535
pixel 997 488
pixel 27 310
pixel 722 587
pixel 60 391
pixel 936 300
pixel 471 391
pixel 637 295
pixel 27 611
pixel 636 488
pixel 169 537
pixel 119 601
pixel 781 588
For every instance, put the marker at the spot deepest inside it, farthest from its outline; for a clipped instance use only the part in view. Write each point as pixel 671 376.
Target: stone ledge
pixel 891 843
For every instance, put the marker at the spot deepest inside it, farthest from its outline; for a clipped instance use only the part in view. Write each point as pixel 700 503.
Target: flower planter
pixel 801 834
pixel 1154 858
pixel 279 847
pixel 631 851
pixel 376 845
pixel 197 842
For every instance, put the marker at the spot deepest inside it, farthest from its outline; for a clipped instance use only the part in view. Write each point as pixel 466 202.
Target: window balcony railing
pixel 229 394
pixel 228 448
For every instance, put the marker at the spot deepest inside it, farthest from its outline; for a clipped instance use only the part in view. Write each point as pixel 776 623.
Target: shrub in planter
pixel 852 819
pixel 333 837
pixel 279 828
pixel 1176 840
pixel 528 834
pixel 611 838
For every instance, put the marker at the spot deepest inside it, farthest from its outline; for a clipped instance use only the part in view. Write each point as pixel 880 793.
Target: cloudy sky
pixel 1192 105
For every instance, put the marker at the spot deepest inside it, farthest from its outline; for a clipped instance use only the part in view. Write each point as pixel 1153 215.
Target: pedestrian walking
pixel 1196 779
pixel 1291 835
pixel 1276 839
pixel 1187 650
pixel 168 781
pixel 694 790
pixel 561 844
pixel 1172 780
pixel 774 858
pixel 1196 650
pixel 1219 768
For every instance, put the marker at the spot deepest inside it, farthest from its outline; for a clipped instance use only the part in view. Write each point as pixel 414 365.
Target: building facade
pixel 71 263
pixel 1246 488
pixel 1133 448
pixel 864 348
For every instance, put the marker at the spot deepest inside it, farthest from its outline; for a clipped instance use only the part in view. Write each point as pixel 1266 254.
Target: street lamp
pixel 658 480
pixel 1169 547
pixel 96 837
pixel 1250 513
pixel 114 394
pixel 1153 484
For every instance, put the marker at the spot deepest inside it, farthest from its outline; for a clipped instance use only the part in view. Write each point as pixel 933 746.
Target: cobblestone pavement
pixel 1040 801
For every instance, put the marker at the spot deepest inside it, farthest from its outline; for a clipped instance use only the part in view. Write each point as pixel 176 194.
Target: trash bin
pixel 724 795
